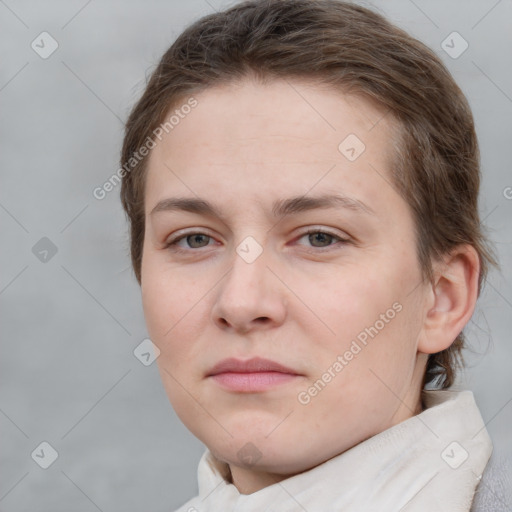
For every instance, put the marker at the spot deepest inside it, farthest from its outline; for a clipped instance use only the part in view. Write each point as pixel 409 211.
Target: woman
pixel 301 180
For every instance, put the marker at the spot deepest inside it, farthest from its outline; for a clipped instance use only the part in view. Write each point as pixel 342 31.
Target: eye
pixel 193 241
pixel 317 238
pixel 322 239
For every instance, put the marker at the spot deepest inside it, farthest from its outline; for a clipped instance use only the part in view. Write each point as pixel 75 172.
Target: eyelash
pixel 172 244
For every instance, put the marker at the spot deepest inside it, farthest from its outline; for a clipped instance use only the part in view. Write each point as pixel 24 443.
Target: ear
pixel 451 299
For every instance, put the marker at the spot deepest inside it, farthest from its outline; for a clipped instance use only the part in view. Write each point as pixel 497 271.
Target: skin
pixel 306 297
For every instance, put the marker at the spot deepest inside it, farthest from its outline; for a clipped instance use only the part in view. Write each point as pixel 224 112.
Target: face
pixel 283 240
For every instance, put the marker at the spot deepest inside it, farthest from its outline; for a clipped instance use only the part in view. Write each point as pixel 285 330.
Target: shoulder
pixel 494 492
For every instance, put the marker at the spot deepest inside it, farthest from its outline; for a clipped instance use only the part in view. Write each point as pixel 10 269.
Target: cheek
pixel 345 301
pixel 365 314
pixel 176 310
pixel 166 300
pixel 383 367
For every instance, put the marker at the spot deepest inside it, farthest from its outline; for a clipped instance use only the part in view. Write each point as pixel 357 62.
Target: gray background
pixel 69 325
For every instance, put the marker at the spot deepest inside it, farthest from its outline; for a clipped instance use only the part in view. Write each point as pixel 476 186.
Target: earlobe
pixel 454 294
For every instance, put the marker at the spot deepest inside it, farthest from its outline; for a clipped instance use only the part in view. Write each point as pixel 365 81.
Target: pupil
pixel 321 237
pixel 192 239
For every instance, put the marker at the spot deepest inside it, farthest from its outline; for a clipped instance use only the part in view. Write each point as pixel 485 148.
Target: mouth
pixel 253 375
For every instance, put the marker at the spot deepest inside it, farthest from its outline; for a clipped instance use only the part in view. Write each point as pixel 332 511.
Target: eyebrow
pixel 280 208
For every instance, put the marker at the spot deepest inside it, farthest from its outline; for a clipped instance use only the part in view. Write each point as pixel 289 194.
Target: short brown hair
pixel 350 48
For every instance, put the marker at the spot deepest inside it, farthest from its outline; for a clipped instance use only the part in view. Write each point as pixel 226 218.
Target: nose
pixel 250 297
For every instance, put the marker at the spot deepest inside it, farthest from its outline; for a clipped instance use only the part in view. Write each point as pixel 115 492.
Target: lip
pixel 254 375
pixel 254 365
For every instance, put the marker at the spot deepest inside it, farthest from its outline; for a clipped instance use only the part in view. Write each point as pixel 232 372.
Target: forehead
pixel 280 108
pixel 283 135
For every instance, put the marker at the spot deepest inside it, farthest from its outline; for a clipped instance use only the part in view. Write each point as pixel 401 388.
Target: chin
pixel 273 454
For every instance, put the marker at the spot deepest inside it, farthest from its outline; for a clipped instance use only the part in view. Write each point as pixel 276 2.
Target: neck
pixel 248 481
